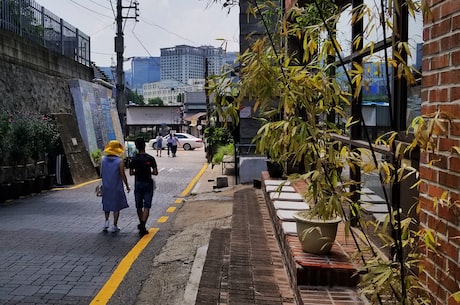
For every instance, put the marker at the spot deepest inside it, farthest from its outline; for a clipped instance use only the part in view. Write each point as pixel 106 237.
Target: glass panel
pixel 344 32
pixel 416 45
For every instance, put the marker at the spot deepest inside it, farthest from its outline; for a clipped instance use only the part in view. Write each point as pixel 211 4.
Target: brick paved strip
pixel 252 278
pixel 215 268
pixel 315 295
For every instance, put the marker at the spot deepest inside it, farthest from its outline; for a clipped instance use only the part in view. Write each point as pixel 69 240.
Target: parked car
pixel 130 151
pixel 186 141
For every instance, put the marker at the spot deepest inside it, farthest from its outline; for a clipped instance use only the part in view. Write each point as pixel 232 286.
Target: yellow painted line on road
pixel 83 184
pixel 163 219
pixel 192 183
pixel 75 186
pixel 171 209
pixel 107 291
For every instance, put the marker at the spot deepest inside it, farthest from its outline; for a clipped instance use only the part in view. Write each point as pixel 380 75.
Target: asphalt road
pixel 53 250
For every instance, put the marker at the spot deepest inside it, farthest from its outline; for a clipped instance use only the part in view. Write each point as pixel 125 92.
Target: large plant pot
pixel 17 189
pixel 50 182
pixel 28 186
pixel 316 235
pixel 5 192
pixel 6 174
pixel 275 170
pixel 38 184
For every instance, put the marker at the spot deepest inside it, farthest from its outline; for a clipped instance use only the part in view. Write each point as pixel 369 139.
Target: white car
pixel 186 141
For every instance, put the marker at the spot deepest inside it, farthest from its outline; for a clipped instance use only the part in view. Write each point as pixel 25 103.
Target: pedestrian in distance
pixel 169 143
pixel 113 176
pixel 159 144
pixel 143 166
pixel 174 143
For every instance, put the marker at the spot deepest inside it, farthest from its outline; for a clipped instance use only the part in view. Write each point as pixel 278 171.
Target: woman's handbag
pixel 98 190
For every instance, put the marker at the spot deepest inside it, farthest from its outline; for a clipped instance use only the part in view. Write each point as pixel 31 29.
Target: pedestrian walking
pixel 159 144
pixel 174 143
pixel 169 143
pixel 113 176
pixel 143 166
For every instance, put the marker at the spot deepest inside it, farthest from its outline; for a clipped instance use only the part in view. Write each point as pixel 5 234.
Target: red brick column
pixel 441 90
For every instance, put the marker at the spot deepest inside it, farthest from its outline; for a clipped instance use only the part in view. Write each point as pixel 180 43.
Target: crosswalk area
pixel 170 169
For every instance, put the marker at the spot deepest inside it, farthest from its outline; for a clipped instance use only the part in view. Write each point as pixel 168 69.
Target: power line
pixel 91 10
pixel 166 30
pixel 127 14
pixel 98 4
pixel 113 9
pixel 103 28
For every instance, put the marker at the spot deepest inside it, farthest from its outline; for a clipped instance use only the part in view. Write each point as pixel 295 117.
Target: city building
pixel 143 70
pixel 183 62
pixel 169 91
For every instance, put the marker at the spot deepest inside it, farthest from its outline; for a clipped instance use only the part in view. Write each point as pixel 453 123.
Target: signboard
pixel 97 116
pixel 245 112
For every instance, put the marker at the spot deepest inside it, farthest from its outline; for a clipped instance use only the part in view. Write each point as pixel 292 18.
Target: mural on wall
pixel 96 112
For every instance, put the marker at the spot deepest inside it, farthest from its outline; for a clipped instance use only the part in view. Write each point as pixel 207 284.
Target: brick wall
pixel 441 90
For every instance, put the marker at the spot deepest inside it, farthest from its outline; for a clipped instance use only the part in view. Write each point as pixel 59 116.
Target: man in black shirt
pixel 143 166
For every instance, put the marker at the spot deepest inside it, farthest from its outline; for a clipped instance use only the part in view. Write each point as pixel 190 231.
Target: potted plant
pixel 20 150
pixel 44 140
pixel 215 138
pixel 5 169
pixel 307 94
pixel 26 140
pixel 96 157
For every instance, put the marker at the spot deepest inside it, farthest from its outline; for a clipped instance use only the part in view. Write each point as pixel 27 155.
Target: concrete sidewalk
pixel 245 263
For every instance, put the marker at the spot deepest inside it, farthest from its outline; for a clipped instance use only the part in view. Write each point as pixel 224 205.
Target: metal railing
pixel 35 23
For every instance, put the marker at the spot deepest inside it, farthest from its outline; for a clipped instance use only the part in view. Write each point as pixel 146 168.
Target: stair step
pixel 276 189
pixel 290 205
pixel 333 269
pixel 326 295
pixel 286 196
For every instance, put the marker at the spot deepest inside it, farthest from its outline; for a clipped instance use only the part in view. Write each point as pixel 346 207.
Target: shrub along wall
pixel 440 90
pixel 35 80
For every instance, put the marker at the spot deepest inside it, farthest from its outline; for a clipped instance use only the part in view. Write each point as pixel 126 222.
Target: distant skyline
pixel 162 24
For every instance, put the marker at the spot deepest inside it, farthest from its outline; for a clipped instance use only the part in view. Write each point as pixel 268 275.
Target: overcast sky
pixel 162 24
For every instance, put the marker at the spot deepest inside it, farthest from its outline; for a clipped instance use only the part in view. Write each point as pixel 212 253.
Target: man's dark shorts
pixel 143 193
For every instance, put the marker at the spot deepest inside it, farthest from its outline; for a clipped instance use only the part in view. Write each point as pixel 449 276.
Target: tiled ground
pixel 319 279
pixel 249 263
pixel 244 265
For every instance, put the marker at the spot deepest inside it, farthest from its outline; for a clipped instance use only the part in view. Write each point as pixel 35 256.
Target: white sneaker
pixel 106 225
pixel 114 229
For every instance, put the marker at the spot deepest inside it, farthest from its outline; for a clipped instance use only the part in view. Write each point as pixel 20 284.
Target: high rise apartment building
pixel 143 70
pixel 182 62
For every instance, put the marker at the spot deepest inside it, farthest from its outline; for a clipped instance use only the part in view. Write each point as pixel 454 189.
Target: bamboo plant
pixel 296 93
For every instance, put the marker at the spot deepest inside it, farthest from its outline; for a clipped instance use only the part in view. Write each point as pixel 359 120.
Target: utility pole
pixel 120 74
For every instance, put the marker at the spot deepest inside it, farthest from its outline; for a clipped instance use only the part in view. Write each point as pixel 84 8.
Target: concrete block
pixel 250 168
pixel 221 181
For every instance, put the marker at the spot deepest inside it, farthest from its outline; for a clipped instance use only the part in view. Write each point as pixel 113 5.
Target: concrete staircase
pixel 243 264
pixel 334 276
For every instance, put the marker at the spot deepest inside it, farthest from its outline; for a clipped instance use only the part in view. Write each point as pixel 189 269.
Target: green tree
pixel 21 14
pixel 135 97
pixel 155 101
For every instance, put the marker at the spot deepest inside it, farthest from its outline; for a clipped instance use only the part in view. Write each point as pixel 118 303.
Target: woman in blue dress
pixel 113 177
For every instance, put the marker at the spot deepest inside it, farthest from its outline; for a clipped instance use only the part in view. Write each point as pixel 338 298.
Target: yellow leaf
pixel 456 149
pixel 456 296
